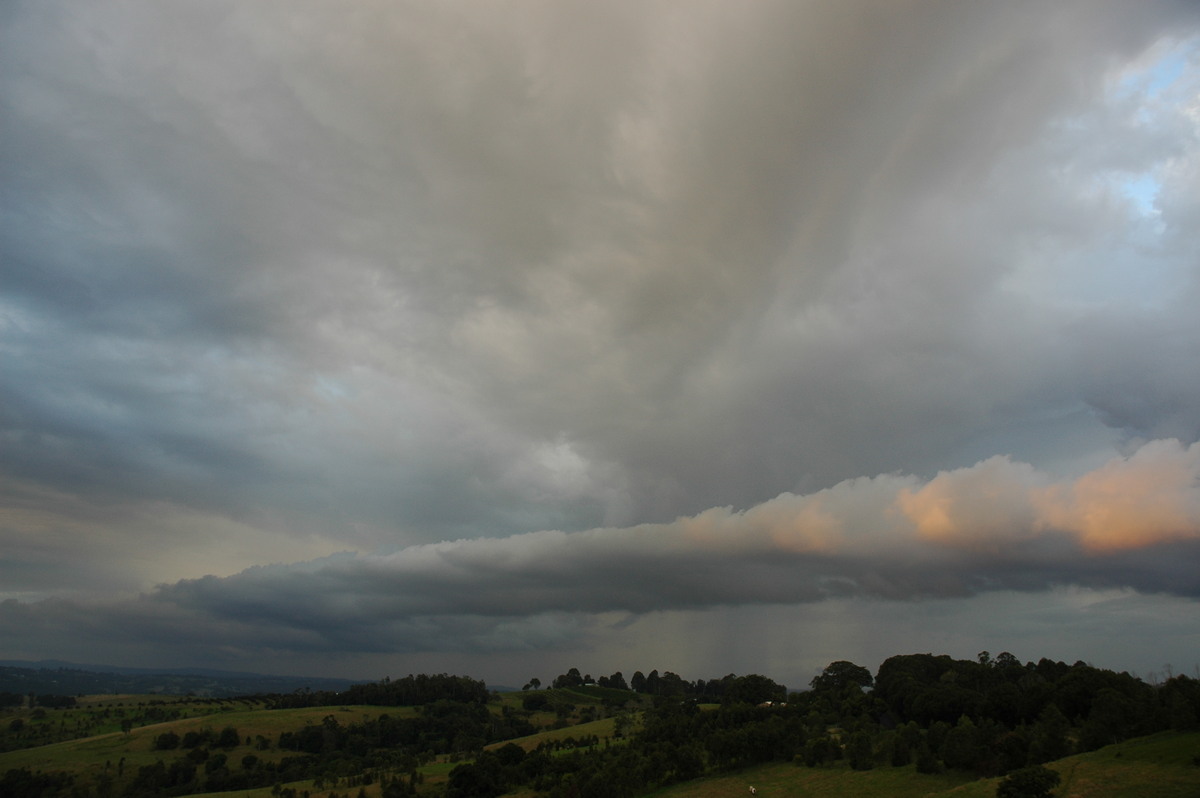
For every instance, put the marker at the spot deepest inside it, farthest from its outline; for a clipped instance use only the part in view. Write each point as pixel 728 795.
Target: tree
pixel 1049 736
pixel 571 678
pixel 638 682
pixel 961 749
pixel 652 682
pixel 228 738
pixel 535 702
pixel 926 761
pixel 841 674
pixel 670 684
pixel 1113 717
pixel 753 689
pixel 166 741
pixel 859 751
pixel 1030 782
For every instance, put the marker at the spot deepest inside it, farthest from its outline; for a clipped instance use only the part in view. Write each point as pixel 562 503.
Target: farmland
pixel 853 734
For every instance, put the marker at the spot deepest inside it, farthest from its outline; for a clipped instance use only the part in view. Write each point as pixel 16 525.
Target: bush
pixel 1030 782
pixel 166 741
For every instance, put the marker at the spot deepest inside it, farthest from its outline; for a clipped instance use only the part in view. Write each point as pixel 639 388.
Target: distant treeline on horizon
pixel 986 717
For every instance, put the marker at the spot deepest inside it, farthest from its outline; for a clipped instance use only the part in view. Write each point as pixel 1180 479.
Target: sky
pixel 375 338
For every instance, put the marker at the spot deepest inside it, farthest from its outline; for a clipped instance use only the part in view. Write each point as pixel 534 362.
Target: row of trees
pixel 453 718
pixel 987 716
pixel 330 751
pixel 51 700
pixel 744 689
pixel 38 726
pixel 410 691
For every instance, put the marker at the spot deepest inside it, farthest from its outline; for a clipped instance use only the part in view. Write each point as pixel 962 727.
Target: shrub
pixel 166 741
pixel 1030 782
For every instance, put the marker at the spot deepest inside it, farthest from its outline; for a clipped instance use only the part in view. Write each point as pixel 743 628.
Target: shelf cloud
pixel 999 525
pixel 450 327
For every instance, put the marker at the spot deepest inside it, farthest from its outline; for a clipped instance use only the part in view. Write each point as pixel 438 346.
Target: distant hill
pixel 66 678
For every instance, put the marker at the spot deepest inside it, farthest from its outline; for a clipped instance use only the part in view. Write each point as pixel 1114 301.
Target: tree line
pixel 409 691
pixel 988 717
pixel 747 689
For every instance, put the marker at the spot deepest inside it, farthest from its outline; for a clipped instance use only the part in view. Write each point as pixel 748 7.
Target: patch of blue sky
pixel 1124 266
pixel 1162 71
pixel 1168 70
pixel 1163 83
pixel 1142 190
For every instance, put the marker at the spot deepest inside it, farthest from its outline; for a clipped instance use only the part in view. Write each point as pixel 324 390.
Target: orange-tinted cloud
pixel 981 508
pixel 1151 497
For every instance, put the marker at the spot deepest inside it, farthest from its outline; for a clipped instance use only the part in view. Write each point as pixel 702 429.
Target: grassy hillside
pixel 22 727
pixel 1160 766
pixel 1165 765
pixel 137 746
pixel 825 782
pixel 602 729
pixel 115 755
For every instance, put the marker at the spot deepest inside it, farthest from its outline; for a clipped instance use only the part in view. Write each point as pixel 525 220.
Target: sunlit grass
pixel 137 747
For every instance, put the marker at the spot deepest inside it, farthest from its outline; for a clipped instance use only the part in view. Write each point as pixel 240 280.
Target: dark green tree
pixel 637 682
pixel 571 678
pixel 839 675
pixel 652 682
pixel 1113 717
pixel 859 751
pixel 1031 782
pixel 753 689
pixel 961 749
pixel 229 738
pixel 1049 739
pixel 927 762
pixel 166 741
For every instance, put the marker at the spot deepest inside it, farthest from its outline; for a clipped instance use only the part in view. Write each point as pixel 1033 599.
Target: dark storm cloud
pixel 1134 523
pixel 633 230
pixel 284 279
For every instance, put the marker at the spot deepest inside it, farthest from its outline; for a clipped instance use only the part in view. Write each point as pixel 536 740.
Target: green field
pixel 600 728
pixel 823 782
pixel 117 754
pixel 1160 766
pixel 100 714
pixel 137 746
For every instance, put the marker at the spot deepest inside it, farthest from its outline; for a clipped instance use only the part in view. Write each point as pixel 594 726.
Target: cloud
pixel 996 526
pixel 402 283
pixel 1151 497
pixel 380 256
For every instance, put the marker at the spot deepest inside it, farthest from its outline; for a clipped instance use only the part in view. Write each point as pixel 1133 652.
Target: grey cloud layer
pixel 310 277
pixel 997 526
pixel 393 251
